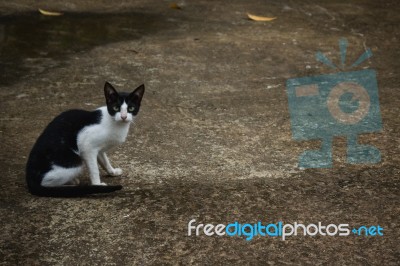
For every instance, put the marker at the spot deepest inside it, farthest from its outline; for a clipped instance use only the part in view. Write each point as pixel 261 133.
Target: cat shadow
pixel 139 196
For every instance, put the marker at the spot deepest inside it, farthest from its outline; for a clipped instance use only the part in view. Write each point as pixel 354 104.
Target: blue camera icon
pixel 340 104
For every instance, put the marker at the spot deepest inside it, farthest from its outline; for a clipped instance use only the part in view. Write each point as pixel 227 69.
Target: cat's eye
pixel 116 108
pixel 131 109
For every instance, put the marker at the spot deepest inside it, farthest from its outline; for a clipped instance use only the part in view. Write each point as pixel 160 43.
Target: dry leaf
pixel 259 18
pixel 49 13
pixel 174 6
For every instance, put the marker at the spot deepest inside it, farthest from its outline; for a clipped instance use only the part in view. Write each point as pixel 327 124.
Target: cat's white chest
pixel 103 136
pixel 117 134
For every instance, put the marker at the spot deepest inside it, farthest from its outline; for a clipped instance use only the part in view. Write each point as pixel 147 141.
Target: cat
pixel 78 138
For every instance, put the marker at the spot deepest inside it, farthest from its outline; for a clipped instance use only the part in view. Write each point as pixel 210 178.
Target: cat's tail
pixel 72 191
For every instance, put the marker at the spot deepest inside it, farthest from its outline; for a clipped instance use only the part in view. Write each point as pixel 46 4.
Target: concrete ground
pixel 213 141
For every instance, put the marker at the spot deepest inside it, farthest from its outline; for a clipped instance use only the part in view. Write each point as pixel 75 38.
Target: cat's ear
pixel 138 93
pixel 110 93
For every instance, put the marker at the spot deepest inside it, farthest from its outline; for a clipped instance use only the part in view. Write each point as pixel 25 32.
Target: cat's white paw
pixel 99 184
pixel 116 172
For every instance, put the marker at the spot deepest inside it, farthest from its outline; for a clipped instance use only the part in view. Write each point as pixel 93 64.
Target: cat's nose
pixel 124 117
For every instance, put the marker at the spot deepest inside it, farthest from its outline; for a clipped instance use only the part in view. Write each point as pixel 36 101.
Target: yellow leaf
pixel 174 6
pixel 259 18
pixel 49 13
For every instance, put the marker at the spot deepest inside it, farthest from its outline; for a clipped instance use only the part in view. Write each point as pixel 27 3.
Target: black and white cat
pixel 78 138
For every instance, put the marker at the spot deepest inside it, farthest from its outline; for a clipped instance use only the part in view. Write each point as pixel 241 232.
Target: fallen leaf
pixel 49 13
pixel 259 18
pixel 174 6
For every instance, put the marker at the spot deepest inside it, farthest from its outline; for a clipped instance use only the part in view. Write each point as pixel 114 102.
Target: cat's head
pixel 123 106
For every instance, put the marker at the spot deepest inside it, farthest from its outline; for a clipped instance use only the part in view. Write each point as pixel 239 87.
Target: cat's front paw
pixel 116 172
pixel 99 184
